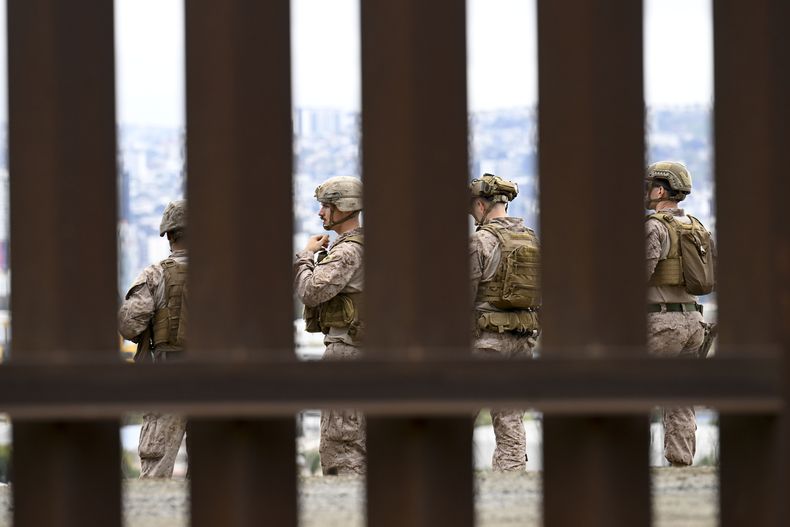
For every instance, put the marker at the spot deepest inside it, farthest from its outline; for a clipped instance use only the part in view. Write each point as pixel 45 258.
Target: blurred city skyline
pixel 502 56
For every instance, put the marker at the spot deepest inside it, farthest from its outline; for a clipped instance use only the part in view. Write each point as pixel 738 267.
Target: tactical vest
pixel 516 283
pixel 340 311
pixel 689 262
pixel 515 287
pixel 170 322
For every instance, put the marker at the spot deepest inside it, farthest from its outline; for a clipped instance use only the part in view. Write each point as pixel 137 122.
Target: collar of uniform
pixel 352 232
pixel 508 221
pixel 673 211
pixel 178 253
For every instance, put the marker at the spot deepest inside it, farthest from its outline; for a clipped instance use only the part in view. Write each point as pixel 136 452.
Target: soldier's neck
pixel 496 212
pixel 178 246
pixel 664 205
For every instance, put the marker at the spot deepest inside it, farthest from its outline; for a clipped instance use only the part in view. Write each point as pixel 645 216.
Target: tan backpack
pixel 691 261
pixel 516 284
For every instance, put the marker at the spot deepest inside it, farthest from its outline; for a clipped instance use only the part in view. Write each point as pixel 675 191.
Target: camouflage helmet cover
pixel 675 174
pixel 494 188
pixel 174 217
pixel 344 192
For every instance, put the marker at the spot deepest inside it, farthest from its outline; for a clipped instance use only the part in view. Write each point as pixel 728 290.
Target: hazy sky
pixel 502 53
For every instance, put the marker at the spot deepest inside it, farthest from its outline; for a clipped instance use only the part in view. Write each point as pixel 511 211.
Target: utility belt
pixel 341 311
pixel 687 307
pixel 523 322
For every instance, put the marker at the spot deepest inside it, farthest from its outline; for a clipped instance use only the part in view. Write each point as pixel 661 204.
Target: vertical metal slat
pixel 781 141
pixel 243 472
pixel 419 473
pixel 239 152
pixel 66 473
pixel 591 151
pixel 750 109
pixel 415 168
pixel 63 222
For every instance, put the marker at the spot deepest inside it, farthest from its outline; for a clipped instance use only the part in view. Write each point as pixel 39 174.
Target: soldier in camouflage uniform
pixel 505 308
pixel 329 283
pixel 153 310
pixel 675 325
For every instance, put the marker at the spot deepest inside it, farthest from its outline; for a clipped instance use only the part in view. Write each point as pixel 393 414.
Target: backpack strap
pixel 354 238
pixel 668 271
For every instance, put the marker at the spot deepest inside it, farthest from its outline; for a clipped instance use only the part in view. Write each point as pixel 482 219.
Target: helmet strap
pixel 332 223
pixel 486 212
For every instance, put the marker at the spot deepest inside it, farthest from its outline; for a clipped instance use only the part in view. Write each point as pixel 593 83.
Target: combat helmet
pixel 344 192
pixel 674 174
pixel 494 189
pixel 174 217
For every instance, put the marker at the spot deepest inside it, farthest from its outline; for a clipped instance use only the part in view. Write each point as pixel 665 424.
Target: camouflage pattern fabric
pixel 344 192
pixel 657 247
pixel 161 434
pixel 342 448
pixel 510 453
pixel 672 335
pixel 342 445
pixel 160 439
pixel 511 445
pixel 677 335
pixel 174 217
pixel 340 272
pixel 674 173
pixel 146 295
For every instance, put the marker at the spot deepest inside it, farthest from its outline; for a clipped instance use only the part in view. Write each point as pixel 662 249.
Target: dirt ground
pixel 686 497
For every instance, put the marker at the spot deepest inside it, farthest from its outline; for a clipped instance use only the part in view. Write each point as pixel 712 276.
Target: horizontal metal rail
pixel 568 386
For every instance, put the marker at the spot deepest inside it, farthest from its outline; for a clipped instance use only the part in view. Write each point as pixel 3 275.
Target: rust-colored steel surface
pixel 414 164
pixel 752 140
pixel 255 460
pixel 63 219
pixel 63 179
pixel 415 167
pixel 780 38
pixel 420 387
pixel 424 388
pixel 239 164
pixel 591 151
pixel 419 471
pixel 66 474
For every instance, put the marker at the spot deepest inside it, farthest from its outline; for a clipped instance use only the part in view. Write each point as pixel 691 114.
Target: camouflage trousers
pixel 677 335
pixel 510 453
pixel 342 447
pixel 160 439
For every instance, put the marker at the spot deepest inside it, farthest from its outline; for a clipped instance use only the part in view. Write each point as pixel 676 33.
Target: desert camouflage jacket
pixel 145 296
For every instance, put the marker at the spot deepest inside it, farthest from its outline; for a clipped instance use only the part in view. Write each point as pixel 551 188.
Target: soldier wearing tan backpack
pixel 505 280
pixel 680 266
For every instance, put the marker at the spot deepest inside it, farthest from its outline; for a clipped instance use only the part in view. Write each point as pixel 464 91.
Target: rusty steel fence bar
pixel 591 157
pixel 415 166
pixel 752 73
pixel 425 388
pixel 239 161
pixel 62 154
pixel 780 142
